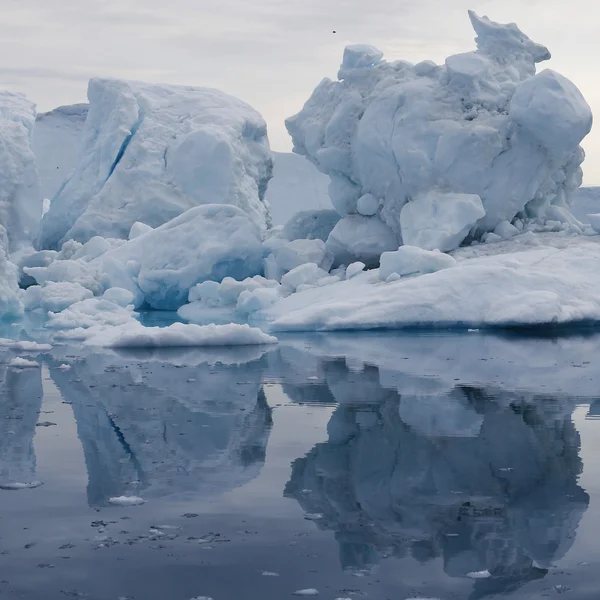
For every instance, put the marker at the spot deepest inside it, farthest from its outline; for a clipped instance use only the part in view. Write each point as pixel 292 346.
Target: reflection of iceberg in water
pixel 20 403
pixel 484 480
pixel 153 427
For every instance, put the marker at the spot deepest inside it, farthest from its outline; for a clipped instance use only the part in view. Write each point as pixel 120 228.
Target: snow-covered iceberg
pixel 151 152
pixel 20 191
pixel 439 152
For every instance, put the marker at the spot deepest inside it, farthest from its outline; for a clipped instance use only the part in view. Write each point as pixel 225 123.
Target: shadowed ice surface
pixel 363 466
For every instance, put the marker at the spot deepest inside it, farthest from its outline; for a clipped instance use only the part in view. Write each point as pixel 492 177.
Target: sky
pixel 270 53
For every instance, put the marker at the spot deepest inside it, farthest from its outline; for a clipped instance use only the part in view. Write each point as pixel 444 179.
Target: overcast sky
pixel 270 53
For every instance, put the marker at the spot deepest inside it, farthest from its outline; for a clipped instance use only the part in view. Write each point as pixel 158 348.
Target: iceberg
pixel 20 191
pixel 442 153
pixel 151 152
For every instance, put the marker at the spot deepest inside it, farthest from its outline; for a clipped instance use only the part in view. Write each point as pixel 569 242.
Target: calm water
pixel 380 466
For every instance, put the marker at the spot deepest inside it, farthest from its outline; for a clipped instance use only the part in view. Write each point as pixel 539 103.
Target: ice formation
pixel 455 149
pixel 20 191
pixel 57 138
pixel 527 280
pixel 207 242
pixel 151 152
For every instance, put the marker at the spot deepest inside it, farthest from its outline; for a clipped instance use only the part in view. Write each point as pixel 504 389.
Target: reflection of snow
pixel 20 402
pixel 151 428
pixel 484 479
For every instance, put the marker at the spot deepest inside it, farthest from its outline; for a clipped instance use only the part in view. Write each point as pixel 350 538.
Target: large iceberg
pixel 20 192
pixel 151 152
pixel 482 133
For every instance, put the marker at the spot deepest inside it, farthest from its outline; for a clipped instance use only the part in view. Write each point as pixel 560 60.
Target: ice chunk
pixel 90 313
pixel 119 296
pixel 293 254
pixel 22 363
pixel 151 152
pixel 138 229
pixel 20 190
pixel 134 335
pixel 439 220
pixel 505 230
pixel 126 501
pixel 595 222
pixel 252 301
pixel 411 260
pixel 54 296
pixel 354 269
pixel 306 274
pixel 311 225
pixel 358 238
pixel 25 346
pixel 482 124
pixel 205 243
pixel 367 205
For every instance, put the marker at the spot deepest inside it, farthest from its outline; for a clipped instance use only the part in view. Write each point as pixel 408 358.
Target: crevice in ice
pixel 126 142
pixel 125 445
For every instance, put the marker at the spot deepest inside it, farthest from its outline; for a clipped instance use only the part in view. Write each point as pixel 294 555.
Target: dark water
pixel 363 466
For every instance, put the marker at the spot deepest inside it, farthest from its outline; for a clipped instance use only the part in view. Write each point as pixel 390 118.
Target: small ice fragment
pixel 270 574
pixel 64 368
pixel 313 516
pixel 126 500
pixel 201 598
pixel 307 592
pixel 22 363
pixel 20 486
pixel 505 469
pixel 472 330
pixel 479 574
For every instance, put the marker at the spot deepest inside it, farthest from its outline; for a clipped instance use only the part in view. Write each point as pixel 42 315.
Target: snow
pixel 411 260
pixel 439 220
pixel 20 191
pixel 205 243
pixel 179 335
pixel 297 186
pixel 472 143
pixel 126 501
pixel 57 137
pixel 528 280
pixel 22 363
pixel 151 152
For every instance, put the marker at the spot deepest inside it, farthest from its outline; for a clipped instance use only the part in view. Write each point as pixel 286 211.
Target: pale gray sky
pixel 270 53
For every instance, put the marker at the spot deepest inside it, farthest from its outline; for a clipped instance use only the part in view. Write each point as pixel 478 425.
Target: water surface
pixel 363 466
